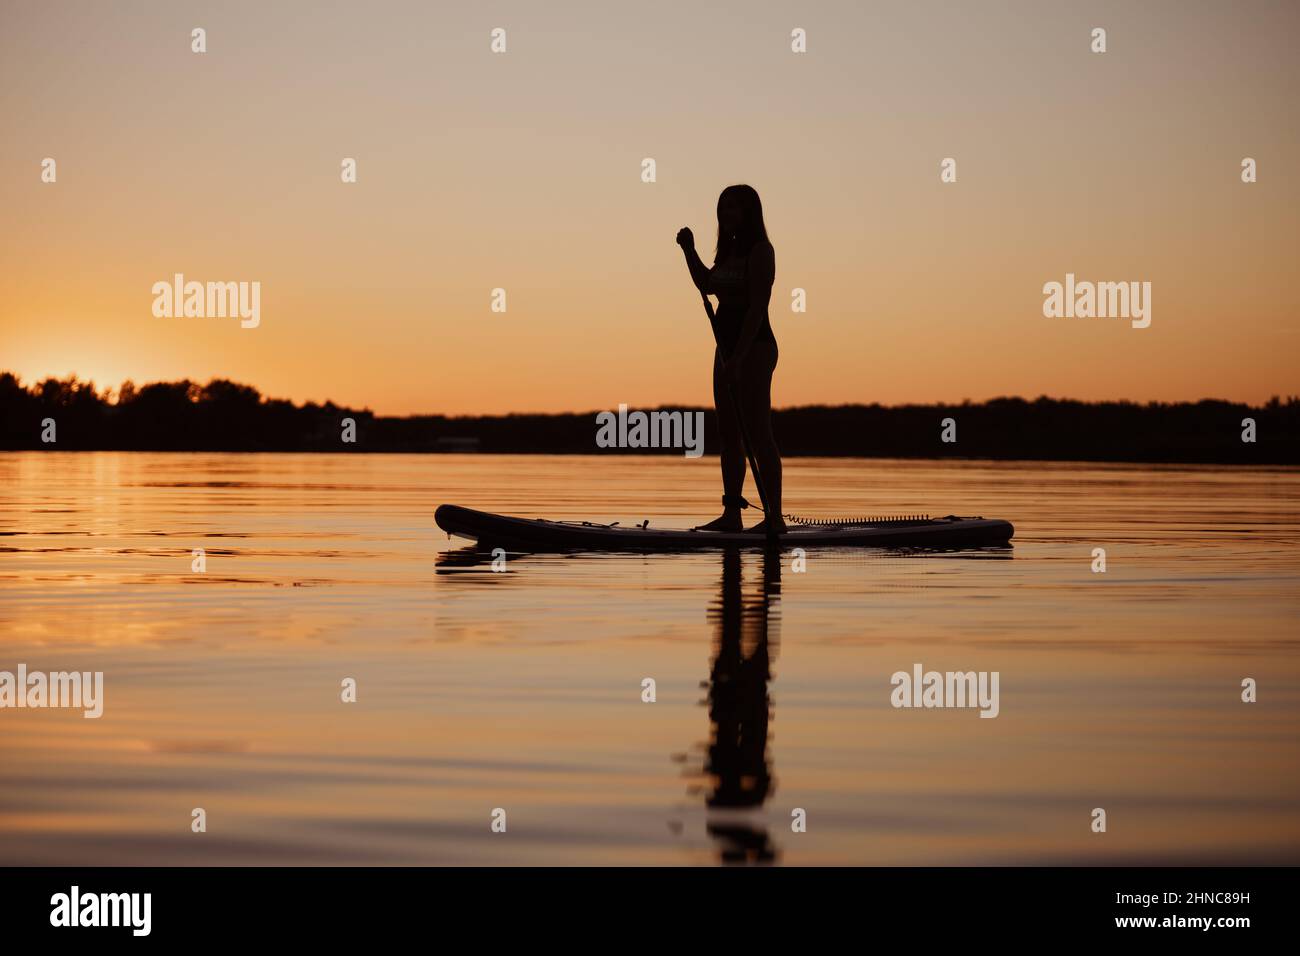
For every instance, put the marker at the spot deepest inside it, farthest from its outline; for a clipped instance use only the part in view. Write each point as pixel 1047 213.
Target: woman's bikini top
pixel 729 281
pixel 730 284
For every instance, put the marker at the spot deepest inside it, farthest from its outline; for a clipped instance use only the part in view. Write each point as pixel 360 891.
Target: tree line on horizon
pixel 227 416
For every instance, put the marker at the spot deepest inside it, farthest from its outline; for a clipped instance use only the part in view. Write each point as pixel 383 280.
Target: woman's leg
pixel 756 403
pixel 733 452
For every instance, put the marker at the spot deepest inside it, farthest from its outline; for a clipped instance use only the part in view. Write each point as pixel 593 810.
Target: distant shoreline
pixel 226 416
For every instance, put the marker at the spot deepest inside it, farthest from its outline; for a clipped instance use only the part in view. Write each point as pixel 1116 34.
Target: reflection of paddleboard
pixel 539 534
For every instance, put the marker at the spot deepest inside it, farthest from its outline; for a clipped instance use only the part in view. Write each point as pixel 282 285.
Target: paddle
pixel 744 429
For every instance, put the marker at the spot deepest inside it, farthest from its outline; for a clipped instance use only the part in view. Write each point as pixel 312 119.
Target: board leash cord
pixel 873 520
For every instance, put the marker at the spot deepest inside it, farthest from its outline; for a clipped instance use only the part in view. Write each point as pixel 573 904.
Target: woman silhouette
pixel 744 266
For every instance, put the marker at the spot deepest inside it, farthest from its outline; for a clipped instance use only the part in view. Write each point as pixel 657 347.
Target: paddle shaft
pixel 740 417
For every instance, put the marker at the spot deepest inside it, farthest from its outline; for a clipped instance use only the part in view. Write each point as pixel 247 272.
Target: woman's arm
pixel 759 274
pixel 700 274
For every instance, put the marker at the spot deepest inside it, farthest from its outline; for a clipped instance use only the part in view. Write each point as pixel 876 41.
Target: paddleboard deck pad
pixel 539 534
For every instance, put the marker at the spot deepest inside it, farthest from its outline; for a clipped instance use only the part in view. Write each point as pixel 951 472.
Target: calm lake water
pixel 523 690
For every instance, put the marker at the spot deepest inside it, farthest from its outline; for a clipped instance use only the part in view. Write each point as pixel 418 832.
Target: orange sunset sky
pixel 523 171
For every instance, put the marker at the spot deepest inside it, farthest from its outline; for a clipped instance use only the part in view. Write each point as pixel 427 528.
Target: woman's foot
pixel 777 525
pixel 728 521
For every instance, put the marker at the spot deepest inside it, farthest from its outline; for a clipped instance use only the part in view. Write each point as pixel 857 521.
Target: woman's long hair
pixel 752 228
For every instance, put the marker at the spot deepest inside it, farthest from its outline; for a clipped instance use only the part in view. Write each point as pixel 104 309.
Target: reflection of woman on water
pixel 739 705
pixel 744 266
pixel 737 761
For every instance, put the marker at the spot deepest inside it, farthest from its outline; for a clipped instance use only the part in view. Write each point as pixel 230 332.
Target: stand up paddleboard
pixel 539 534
